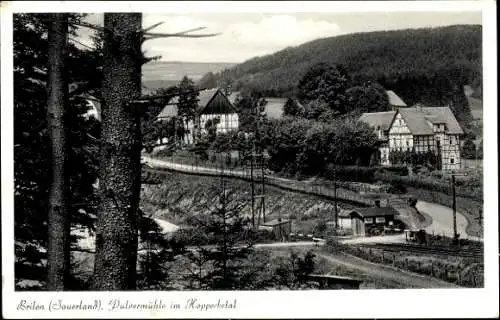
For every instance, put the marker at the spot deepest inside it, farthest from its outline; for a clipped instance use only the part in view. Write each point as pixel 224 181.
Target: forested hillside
pixel 413 62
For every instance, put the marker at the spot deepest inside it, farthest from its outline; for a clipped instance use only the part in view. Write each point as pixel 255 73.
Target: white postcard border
pixel 460 303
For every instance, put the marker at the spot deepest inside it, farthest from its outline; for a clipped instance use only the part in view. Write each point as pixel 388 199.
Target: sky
pixel 245 35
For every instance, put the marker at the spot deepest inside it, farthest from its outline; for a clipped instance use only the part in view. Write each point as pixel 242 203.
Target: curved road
pixel 442 220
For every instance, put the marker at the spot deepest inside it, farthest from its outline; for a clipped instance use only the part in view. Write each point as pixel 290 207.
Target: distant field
pixel 163 74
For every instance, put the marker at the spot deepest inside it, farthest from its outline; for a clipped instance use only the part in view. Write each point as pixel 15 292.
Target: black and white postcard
pixel 223 159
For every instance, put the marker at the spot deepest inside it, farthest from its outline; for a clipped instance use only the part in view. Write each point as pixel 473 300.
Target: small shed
pixel 343 222
pixel 334 282
pixel 280 227
pixel 370 221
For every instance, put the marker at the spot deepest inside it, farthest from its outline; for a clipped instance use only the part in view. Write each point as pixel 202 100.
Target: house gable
pixel 215 103
pixel 399 125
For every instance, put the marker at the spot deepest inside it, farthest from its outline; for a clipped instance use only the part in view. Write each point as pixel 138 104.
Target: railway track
pixel 476 253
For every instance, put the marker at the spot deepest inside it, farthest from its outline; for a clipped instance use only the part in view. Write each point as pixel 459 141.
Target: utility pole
pixel 455 235
pixel 263 187
pixel 257 152
pixel 335 197
pixel 253 189
pixel 454 205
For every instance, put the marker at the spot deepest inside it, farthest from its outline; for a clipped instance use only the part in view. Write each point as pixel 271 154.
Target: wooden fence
pixel 342 195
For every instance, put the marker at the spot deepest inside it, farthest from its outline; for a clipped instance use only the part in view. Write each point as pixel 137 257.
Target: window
pixel 368 220
pixel 407 143
pixel 452 161
pixel 380 219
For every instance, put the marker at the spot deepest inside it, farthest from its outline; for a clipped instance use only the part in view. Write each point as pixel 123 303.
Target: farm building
pixel 418 130
pixel 394 100
pixel 213 106
pixel 280 228
pixel 344 220
pixel 370 221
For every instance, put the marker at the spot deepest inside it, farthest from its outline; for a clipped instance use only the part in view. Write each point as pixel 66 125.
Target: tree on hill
pixel 324 83
pixel 388 57
pixel 480 150
pixel 370 97
pixel 468 149
pixel 208 81
pixel 461 109
pixel 249 104
pixel 291 108
pixel 188 102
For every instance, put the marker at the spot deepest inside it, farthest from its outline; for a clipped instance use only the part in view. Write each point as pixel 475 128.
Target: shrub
pixel 397 187
pixel 320 228
pixel 350 173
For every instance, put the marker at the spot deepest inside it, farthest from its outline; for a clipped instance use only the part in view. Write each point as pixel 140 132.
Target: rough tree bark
pixel 120 167
pixel 58 259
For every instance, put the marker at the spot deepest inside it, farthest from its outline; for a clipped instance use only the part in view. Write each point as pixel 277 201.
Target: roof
pixel 417 119
pixel 204 98
pixel 170 110
pixel 232 97
pixel 375 211
pixel 274 107
pixel 344 213
pixel 380 120
pixel 395 100
pixel 275 222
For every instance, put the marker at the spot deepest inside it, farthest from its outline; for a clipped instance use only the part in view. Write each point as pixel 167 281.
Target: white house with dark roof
pixel 419 129
pixel 212 104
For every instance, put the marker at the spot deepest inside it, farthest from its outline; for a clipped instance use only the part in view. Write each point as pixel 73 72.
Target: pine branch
pixel 80 43
pixel 173 35
pixel 182 34
pixel 91 26
pixel 152 27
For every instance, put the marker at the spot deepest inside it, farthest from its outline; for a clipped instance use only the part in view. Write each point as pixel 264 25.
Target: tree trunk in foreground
pixel 120 167
pixel 58 259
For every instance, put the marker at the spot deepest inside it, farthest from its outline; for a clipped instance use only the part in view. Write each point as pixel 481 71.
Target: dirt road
pixel 442 220
pixel 386 273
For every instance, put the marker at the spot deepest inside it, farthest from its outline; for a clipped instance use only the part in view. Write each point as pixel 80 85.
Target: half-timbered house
pixel 213 106
pixel 418 129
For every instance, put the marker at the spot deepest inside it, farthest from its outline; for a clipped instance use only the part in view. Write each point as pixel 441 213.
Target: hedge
pixel 399 175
